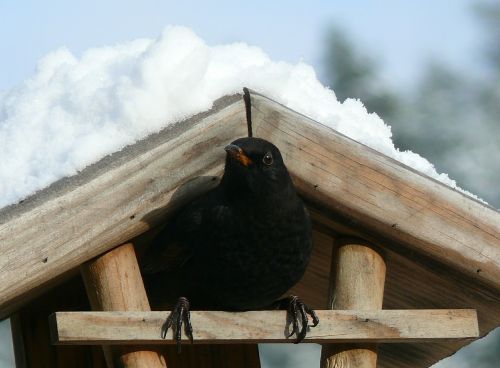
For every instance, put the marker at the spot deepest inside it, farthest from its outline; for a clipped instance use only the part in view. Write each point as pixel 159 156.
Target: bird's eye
pixel 267 159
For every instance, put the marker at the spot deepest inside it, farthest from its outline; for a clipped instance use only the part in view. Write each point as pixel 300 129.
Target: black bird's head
pixel 254 166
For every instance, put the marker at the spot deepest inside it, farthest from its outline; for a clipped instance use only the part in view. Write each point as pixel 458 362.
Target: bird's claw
pixel 297 313
pixel 177 316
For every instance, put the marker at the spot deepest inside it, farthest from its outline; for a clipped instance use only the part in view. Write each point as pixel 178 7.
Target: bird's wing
pixel 193 227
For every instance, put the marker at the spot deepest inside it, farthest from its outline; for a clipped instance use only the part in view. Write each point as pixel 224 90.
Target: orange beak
pixel 237 154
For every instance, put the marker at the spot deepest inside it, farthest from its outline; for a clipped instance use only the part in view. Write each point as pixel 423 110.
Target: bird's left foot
pixel 297 313
pixel 179 314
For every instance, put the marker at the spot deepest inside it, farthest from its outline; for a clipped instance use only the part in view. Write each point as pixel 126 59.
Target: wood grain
pixel 265 326
pixel 413 281
pixel 443 246
pixel 30 329
pixel 358 276
pixel 357 282
pixel 127 193
pixel 375 194
pixel 111 201
pixel 114 283
pixel 313 288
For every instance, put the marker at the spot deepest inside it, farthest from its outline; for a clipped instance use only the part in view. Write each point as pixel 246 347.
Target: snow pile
pixel 74 111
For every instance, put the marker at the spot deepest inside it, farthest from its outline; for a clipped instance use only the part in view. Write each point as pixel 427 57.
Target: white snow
pixel 75 110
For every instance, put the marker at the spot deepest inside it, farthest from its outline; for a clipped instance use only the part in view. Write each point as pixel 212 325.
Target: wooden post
pixel 114 283
pixel 252 327
pixel 357 282
pixel 30 331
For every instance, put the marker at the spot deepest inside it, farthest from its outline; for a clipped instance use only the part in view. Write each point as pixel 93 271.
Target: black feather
pixel 240 246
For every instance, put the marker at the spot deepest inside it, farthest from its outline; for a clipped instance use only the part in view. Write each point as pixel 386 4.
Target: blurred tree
pixel 354 75
pixel 488 12
pixel 428 121
pixel 447 120
pixel 451 118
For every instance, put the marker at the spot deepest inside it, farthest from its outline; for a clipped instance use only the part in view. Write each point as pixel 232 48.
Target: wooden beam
pixel 381 197
pixel 114 283
pixel 127 193
pixel 31 333
pixel 265 326
pixel 357 282
pixel 110 202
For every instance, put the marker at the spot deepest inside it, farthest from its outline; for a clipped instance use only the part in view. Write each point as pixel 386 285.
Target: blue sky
pixel 400 34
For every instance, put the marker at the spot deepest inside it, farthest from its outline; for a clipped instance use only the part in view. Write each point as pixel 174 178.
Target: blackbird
pixel 239 247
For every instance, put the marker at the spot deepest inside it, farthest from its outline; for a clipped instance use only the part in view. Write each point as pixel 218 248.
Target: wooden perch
pixel 357 282
pixel 265 326
pixel 127 193
pixel 114 283
pixel 111 201
pixel 382 196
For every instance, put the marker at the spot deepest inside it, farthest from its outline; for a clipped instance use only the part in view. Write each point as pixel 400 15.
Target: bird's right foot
pixel 180 314
pixel 297 312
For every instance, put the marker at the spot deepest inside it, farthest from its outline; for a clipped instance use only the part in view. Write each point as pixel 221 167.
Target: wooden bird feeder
pixel 405 270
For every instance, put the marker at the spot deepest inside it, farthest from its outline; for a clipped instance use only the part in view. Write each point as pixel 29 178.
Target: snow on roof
pixel 74 111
